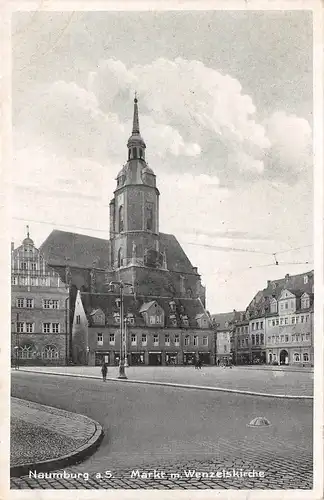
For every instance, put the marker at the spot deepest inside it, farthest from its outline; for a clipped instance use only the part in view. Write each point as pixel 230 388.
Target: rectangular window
pixel 257 339
pixel 144 339
pixel 303 337
pixel 23 280
pixel 273 323
pixel 20 303
pixel 158 320
pixel 252 326
pixel 55 327
pixel 23 266
pixel 29 303
pixel 286 338
pixel 205 340
pixel 302 319
pixel 44 282
pixel 78 319
pixel 277 322
pixel 155 340
pixel 20 327
pixel 131 320
pixel 195 340
pixel 282 338
pixel 286 321
pixel 14 280
pixel 167 340
pixel 33 281
pixel 257 325
pixel 117 318
pixel 112 338
pixel 176 340
pixel 46 327
pixel 281 321
pixel 133 339
pixel 33 266
pixel 297 319
pixel 225 347
pixel 152 320
pixel 293 320
pixel 186 340
pixel 29 327
pixel 262 338
pixel 99 339
pixel 286 305
pixel 253 339
pixel 50 304
pixel 307 337
pixel 261 325
pixel 306 318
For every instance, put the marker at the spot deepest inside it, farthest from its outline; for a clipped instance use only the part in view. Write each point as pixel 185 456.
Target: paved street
pixel 176 431
pixel 238 378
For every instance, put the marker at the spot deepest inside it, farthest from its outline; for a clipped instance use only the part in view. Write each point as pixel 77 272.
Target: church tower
pixel 134 210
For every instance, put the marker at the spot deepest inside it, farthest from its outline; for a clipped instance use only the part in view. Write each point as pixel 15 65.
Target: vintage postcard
pixel 162 187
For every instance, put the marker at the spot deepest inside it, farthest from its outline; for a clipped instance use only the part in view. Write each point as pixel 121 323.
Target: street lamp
pixel 67 329
pixel 16 348
pixel 121 286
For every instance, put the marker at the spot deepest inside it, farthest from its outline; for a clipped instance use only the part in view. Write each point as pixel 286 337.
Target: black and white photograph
pixel 163 279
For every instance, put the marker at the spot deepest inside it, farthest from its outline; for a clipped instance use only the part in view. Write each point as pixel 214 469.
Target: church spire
pixel 136 129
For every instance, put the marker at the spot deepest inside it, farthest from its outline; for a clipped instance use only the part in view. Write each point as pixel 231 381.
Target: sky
pixel 225 102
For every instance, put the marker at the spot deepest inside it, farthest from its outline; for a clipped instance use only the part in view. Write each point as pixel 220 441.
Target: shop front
pixel 189 358
pixel 102 357
pixel 204 357
pixel 258 357
pixel 155 358
pixel 137 358
pixel 171 358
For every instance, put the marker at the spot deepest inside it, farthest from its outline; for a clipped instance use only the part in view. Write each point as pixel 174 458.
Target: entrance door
pixel 284 357
pixel 101 357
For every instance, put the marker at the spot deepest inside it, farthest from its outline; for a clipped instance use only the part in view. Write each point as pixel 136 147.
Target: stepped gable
pixel 107 303
pixel 63 248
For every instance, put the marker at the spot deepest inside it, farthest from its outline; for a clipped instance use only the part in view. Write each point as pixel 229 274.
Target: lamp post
pixel 67 329
pixel 17 342
pixel 121 286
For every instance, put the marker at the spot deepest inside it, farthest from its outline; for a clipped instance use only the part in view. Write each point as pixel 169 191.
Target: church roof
pixel 190 308
pixel 63 248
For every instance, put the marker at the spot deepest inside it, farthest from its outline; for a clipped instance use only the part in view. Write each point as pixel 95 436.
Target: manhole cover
pixel 259 422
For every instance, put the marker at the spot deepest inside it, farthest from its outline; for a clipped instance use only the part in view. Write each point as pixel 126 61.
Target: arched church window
pixel 121 219
pixel 120 258
pixel 149 216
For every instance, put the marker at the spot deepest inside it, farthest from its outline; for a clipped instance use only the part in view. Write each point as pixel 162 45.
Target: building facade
pixel 39 309
pixel 225 324
pixel 278 324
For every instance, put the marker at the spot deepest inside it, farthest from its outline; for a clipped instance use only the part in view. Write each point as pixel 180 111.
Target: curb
pixel 72 458
pixel 183 386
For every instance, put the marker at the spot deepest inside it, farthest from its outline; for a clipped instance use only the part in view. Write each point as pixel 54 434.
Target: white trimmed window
pixel 29 303
pixel 117 318
pixel 23 266
pixel 186 340
pixel 23 280
pixel 195 340
pixel 167 340
pixel 14 280
pixel 176 340
pixel 51 327
pixel 46 327
pixel 153 320
pixel 78 319
pixel 144 339
pixel 33 281
pixel 20 303
pixel 20 327
pixel 56 327
pixel 112 338
pixel 155 340
pixel 305 356
pixel 99 339
pixel 50 304
pixel 133 339
pixel 29 327
pixel 297 356
pixel 205 340
pixel 44 282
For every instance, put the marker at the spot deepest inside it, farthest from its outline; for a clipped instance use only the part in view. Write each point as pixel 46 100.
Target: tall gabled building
pixel 39 309
pixel 154 263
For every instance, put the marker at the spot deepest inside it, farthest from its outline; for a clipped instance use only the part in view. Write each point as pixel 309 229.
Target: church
pixel 139 275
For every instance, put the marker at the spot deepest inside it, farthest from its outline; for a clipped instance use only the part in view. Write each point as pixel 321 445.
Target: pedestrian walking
pixel 104 370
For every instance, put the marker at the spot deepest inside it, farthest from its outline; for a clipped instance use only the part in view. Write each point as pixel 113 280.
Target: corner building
pixel 165 305
pixel 39 309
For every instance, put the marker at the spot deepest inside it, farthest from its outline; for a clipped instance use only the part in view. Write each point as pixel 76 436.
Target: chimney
pixel 287 276
pixel 195 270
pixel 12 246
pixel 268 283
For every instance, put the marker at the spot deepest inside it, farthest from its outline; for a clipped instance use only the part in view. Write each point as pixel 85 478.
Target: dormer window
pixel 172 305
pixel 305 301
pixel 185 320
pixel 273 306
pixel 173 320
pixel 130 319
pixel 305 279
pixel 116 316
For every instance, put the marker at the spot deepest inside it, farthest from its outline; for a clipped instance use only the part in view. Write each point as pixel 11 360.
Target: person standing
pixel 104 370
